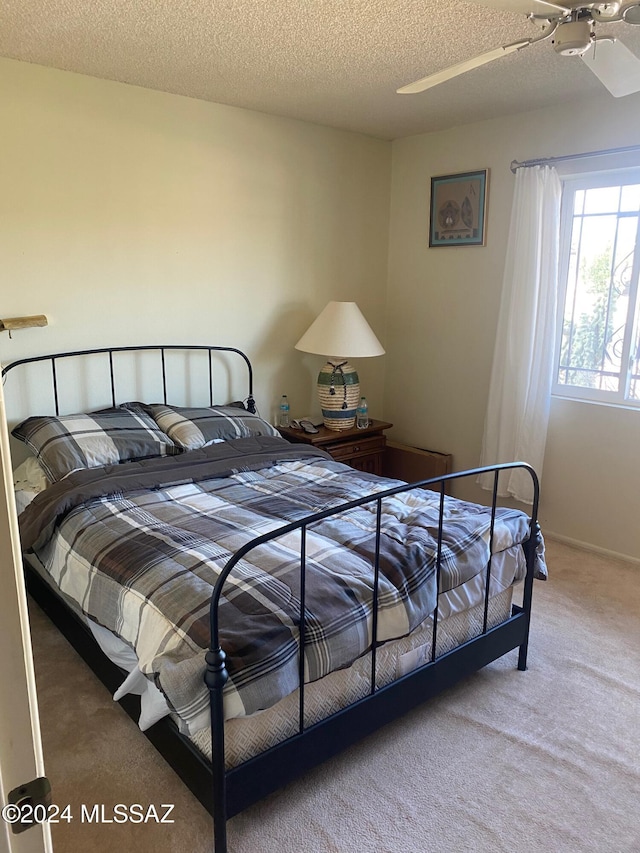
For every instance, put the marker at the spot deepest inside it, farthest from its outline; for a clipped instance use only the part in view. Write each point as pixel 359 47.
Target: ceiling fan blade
pixel 461 68
pixel 615 66
pixel 530 7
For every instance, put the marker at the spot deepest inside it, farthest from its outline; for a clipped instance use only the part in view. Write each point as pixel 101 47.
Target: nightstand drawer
pixel 353 448
pixel 361 449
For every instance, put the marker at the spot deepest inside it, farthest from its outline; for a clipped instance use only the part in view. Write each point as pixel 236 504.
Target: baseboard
pixel 594 549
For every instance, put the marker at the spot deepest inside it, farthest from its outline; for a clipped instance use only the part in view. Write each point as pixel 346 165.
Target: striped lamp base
pixel 339 394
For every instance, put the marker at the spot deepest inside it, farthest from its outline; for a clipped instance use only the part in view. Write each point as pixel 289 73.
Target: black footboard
pixel 235 789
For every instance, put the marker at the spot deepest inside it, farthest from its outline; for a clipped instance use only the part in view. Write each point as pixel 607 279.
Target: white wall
pixel 130 216
pixel 442 317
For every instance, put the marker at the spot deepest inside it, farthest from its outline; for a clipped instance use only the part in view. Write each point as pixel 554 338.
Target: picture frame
pixel 458 209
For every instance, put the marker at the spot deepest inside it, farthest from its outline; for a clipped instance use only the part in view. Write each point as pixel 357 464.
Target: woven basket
pixel 339 407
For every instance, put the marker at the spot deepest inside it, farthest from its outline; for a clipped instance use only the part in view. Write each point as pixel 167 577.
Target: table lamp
pixel 340 332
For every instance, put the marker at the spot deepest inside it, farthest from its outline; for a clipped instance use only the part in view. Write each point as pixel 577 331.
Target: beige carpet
pixel 546 760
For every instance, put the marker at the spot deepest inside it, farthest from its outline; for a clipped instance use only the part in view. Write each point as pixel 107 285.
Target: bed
pixel 253 604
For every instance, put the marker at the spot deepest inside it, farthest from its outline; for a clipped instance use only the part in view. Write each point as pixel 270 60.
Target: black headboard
pixel 161 350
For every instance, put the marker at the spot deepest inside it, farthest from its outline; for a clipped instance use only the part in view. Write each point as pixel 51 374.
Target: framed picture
pixel 458 209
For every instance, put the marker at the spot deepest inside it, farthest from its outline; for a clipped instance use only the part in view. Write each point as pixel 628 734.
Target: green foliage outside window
pixel 586 341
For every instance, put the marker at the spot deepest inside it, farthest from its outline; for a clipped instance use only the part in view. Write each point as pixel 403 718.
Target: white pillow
pixel 29 480
pixel 30 476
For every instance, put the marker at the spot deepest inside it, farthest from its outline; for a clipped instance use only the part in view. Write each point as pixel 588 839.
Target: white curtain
pixel 521 378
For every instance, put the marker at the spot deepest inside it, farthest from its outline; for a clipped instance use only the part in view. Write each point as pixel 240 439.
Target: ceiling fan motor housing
pixel 572 38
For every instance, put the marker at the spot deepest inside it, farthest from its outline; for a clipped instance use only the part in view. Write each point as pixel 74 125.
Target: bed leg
pixel 522 656
pixel 215 678
pixel 530 551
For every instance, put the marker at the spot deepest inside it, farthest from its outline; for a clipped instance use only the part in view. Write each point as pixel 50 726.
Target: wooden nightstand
pixel 362 449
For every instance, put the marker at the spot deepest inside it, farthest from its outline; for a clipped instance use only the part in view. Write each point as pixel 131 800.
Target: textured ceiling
pixel 334 62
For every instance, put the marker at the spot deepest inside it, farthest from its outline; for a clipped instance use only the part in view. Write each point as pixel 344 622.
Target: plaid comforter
pixel 139 546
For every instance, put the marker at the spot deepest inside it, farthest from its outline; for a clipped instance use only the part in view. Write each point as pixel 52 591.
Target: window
pixel 599 340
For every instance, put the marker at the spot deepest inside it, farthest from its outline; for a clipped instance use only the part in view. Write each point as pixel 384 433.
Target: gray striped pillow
pixel 192 428
pixel 69 442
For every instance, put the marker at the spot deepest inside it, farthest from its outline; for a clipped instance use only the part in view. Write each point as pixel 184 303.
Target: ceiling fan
pixel 572 28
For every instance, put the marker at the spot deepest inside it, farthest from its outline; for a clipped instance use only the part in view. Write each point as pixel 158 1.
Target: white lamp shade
pixel 341 331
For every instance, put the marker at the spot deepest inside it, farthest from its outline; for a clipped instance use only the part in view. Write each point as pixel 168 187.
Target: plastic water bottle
pixel 283 420
pixel 362 415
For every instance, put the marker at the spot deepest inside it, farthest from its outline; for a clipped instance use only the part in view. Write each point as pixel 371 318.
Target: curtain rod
pixel 548 160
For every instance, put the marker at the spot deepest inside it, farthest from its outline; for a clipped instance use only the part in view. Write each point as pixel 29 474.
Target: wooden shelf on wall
pixel 10 324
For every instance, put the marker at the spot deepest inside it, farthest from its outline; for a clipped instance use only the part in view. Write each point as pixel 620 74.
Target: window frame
pixel 571 184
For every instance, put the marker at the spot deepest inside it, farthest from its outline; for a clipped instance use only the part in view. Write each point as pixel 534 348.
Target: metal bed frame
pixel 162 350
pixel 227 792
